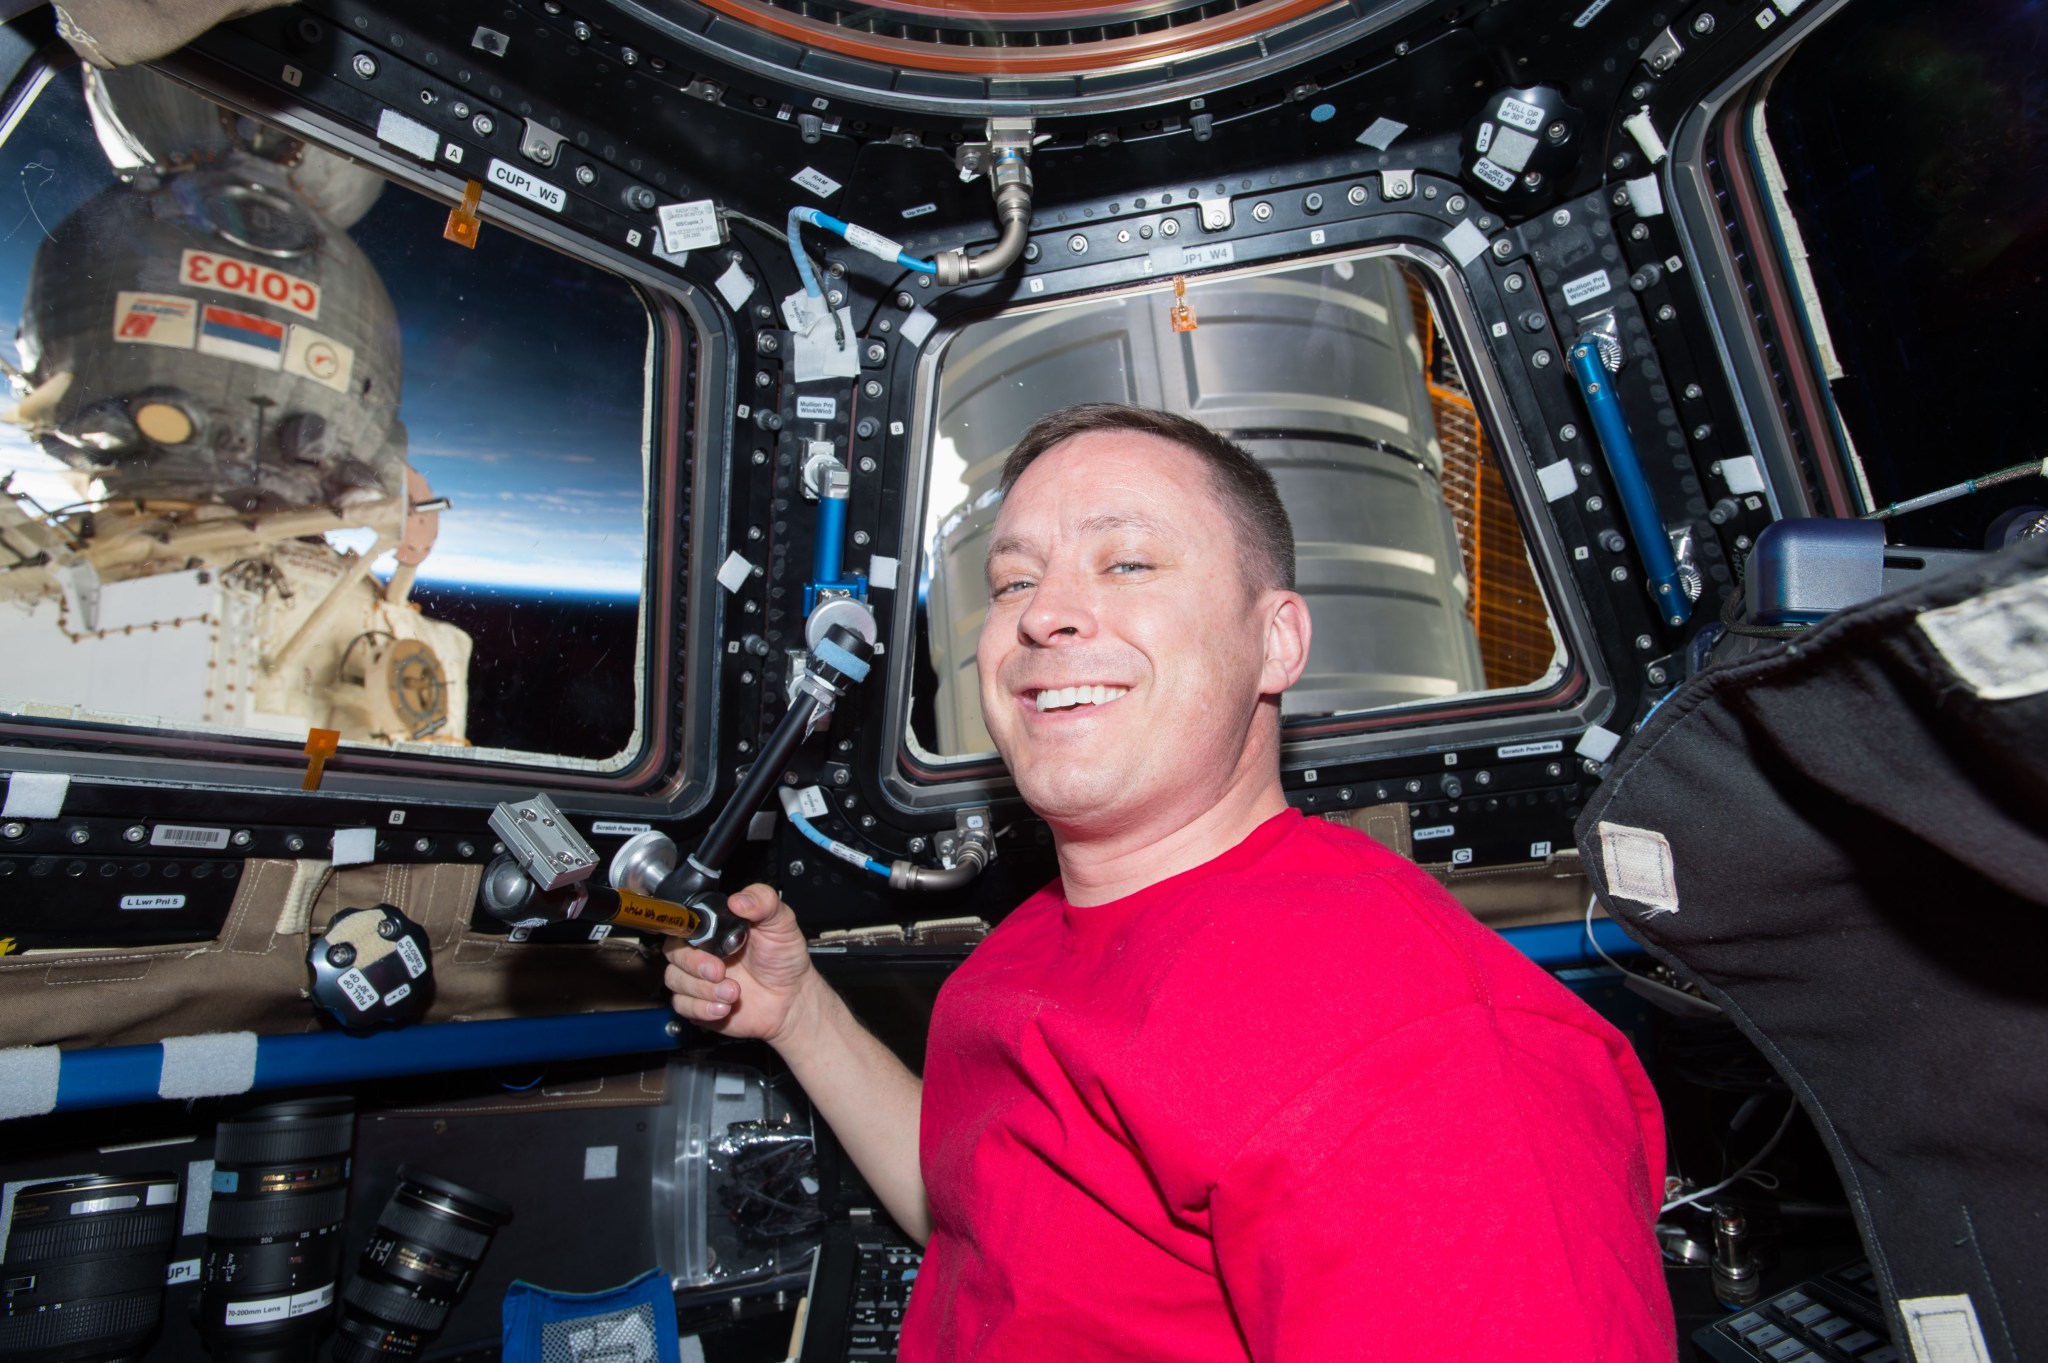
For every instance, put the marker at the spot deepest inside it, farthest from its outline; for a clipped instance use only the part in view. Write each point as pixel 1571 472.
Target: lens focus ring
pixel 276 1216
pixel 389 1302
pixel 434 1230
pixel 245 1143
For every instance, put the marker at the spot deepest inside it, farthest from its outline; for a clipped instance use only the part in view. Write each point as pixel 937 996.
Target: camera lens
pixel 430 1238
pixel 273 1234
pixel 83 1279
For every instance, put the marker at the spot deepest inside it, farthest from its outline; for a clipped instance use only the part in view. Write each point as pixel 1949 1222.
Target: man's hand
pixel 756 993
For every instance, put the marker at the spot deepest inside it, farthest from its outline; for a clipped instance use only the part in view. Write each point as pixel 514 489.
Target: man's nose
pixel 1062 606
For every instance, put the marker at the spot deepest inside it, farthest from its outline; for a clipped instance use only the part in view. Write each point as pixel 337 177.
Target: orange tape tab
pixel 463 222
pixel 1183 316
pixel 321 744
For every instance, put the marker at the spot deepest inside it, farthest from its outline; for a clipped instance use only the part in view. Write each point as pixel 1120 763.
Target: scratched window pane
pixel 280 456
pixel 1340 378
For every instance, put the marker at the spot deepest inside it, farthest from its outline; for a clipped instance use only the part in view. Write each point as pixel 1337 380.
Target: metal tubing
pixel 780 746
pixel 1637 504
pixel 116 1075
pixel 828 560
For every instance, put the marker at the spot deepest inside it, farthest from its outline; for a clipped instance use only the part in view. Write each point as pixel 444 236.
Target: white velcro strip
pixel 1944 1330
pixel 28 1081
pixel 1638 865
pixel 1997 643
pixel 35 795
pixel 210 1065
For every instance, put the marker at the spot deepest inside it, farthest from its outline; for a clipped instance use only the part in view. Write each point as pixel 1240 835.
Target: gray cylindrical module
pixel 225 344
pixel 1317 371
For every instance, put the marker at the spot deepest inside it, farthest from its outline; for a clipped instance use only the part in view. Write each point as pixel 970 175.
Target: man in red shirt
pixel 1239 1084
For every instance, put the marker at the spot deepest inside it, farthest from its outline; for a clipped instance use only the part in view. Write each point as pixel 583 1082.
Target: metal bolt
pixel 1741 542
pixel 1561 218
pixel 1484 778
pixel 1618 573
pixel 760 457
pixel 1639 91
pixel 1513 283
pixel 1589 766
pixel 867 821
pixel 877 352
pixel 1168 227
pixel 79 835
pixel 917 845
pixel 1612 542
pixel 866 427
pixel 13 828
pixel 767 343
pixel 867 464
pixel 1693 392
pixel 860 537
pixel 834 298
pixel 243 837
pixel 763 379
pixel 1703 25
pixel 1667 313
pixel 1619 198
pixel 483 125
pixel 581 30
pixel 1553 769
pixel 1078 244
pixel 1640 232
pixel 1533 179
pixel 1532 321
pixel 365 65
pixel 294 843
pixel 1656 675
pixel 134 833
pixel 1312 203
pixel 796 868
pixel 1455 204
pixel 1557 131
pixel 630 56
pixel 673 1029
pixel 1620 162
pixel 841 777
pixel 460 108
pixel 905 301
pixel 1541 359
pixel 1503 248
pixel 872 388
pixel 1595 504
pixel 428 97
pixel 1702 431
pixel 585 175
pixel 1567 432
pixel 341 955
pixel 746 679
pixel 1355 195
pixel 1261 211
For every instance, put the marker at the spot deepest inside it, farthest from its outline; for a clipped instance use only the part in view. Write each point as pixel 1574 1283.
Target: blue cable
pixel 859 237
pixel 837 849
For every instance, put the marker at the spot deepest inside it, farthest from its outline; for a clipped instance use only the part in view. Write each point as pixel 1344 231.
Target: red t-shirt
pixel 1294 1104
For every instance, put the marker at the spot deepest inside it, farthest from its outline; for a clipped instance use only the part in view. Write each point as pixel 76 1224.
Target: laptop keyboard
pixel 1832 1319
pixel 881 1291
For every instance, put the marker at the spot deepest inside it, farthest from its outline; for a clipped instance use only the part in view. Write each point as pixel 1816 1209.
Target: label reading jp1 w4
pixel 1586 287
pixel 1200 257
pixel 525 186
pixel 152 901
pixel 1527 117
pixel 188 837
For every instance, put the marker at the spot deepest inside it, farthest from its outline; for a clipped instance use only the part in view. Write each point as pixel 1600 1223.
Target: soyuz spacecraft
pixel 217 365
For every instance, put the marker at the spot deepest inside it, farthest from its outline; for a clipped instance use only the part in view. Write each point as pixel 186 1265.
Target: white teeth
pixel 1066 697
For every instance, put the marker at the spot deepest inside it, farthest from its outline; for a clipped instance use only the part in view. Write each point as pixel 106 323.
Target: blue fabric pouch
pixel 635 1323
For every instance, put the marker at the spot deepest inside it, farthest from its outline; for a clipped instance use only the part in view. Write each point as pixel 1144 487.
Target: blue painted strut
pixel 828 558
pixel 1637 505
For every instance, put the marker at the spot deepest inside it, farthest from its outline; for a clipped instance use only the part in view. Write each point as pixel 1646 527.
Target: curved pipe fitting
pixel 905 875
pixel 1013 210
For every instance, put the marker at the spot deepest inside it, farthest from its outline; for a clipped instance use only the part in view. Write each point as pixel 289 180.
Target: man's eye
pixel 1129 566
pixel 1009 588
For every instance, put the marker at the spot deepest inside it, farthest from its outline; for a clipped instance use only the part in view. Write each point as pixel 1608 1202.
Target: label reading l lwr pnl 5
pixel 525 186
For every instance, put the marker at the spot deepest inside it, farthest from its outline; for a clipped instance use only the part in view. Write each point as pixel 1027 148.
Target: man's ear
pixel 1287 641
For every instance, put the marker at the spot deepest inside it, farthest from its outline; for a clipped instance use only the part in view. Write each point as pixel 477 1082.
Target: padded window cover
pixel 1857 823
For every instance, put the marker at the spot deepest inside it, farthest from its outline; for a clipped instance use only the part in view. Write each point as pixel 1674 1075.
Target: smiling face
pixel 1129 674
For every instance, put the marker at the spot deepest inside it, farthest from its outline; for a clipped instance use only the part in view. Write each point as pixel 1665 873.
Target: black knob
pixel 372 969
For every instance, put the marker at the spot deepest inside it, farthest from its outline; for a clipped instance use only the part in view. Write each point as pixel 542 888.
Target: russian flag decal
pixel 240 337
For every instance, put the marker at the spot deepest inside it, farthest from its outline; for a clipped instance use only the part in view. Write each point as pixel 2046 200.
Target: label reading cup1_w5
pixel 511 177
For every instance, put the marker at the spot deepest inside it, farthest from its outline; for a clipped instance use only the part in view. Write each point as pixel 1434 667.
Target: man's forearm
pixel 867 1095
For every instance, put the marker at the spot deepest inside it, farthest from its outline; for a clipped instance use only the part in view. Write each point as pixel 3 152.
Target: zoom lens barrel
pixel 429 1239
pixel 83 1280
pixel 274 1233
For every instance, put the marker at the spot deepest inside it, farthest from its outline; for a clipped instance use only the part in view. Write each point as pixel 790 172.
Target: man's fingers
pixel 690 961
pixel 756 903
pixel 700 1010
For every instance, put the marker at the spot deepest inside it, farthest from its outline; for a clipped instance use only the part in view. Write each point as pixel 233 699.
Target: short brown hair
pixel 1248 494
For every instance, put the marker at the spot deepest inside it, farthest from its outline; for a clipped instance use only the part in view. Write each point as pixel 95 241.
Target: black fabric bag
pixel 1843 840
